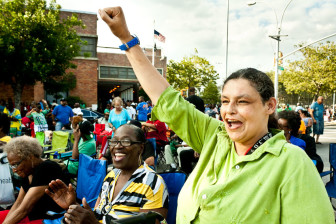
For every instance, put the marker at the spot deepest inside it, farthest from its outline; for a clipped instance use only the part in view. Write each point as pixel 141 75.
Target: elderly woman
pixel 131 187
pixel 119 115
pixel 24 157
pixel 247 172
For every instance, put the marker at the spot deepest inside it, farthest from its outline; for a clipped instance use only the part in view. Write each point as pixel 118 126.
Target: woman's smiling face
pixel 126 157
pixel 244 114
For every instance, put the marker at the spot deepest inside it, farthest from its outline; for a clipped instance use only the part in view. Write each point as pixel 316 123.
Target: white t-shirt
pixel 131 111
pixel 76 110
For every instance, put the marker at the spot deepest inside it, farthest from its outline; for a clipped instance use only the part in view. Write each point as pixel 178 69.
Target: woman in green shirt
pixel 83 143
pixel 247 172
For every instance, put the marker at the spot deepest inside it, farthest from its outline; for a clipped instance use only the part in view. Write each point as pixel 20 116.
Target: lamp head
pixel 251 3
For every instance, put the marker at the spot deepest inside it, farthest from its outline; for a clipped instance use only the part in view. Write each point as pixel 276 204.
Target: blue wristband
pixel 128 45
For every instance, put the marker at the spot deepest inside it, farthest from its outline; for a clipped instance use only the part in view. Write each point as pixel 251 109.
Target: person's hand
pixel 44 101
pixel 54 123
pixel 63 195
pixel 78 214
pixel 115 19
pixel 314 121
pixel 114 129
pixel 77 133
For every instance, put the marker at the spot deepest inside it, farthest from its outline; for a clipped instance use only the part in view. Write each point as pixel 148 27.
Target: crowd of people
pixel 246 163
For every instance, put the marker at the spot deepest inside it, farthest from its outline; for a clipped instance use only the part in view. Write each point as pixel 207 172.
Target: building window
pixel 116 73
pixel 90 48
pixel 107 72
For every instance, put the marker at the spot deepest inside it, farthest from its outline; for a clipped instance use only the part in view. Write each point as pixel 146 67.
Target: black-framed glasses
pixel 15 166
pixel 124 142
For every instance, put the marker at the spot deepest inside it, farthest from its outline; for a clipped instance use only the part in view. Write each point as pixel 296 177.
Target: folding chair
pixel 331 185
pixel 59 143
pixel 91 174
pixel 40 138
pixel 174 182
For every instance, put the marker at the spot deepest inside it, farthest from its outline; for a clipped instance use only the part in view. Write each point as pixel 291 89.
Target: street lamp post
pixel 277 38
pixel 227 39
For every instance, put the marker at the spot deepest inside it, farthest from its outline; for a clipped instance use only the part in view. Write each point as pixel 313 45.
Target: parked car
pixel 91 115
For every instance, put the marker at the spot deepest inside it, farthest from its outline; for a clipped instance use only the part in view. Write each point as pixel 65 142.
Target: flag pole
pixel 153 52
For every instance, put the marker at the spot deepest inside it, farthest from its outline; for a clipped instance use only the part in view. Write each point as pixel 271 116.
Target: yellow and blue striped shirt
pixel 144 190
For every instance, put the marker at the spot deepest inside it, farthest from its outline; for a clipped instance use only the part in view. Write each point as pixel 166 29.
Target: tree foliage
pixel 210 93
pixel 191 71
pixel 35 44
pixel 315 73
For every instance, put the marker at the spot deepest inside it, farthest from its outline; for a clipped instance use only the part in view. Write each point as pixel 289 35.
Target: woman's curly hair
pixel 23 147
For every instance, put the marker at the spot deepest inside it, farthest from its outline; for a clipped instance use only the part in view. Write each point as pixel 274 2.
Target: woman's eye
pixel 242 102
pixel 225 101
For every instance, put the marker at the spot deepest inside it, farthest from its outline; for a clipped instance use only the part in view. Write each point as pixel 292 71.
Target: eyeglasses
pixel 124 142
pixel 15 166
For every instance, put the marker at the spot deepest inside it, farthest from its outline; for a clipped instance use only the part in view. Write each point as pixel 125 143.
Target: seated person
pixel 156 129
pixel 130 188
pixel 311 151
pixel 171 151
pixel 290 122
pixel 83 143
pixel 147 155
pixel 24 157
pixel 104 120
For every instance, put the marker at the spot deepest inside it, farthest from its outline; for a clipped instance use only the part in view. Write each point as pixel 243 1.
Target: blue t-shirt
pixel 63 113
pixel 118 119
pixel 298 142
pixel 142 109
pixel 318 111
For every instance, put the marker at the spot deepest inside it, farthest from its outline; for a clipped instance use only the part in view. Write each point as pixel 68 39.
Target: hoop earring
pixel 140 160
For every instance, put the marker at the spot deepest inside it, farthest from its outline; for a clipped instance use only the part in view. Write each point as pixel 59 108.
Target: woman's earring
pixel 140 160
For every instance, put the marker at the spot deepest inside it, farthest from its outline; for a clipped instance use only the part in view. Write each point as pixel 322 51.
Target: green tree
pixel 35 44
pixel 210 93
pixel 314 73
pixel 191 71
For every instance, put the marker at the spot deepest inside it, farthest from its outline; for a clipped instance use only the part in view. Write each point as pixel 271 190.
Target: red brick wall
pixel 87 78
pixel 7 91
pixel 89 19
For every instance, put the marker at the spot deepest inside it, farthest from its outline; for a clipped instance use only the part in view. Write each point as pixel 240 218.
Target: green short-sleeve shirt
pixel 278 183
pixel 88 148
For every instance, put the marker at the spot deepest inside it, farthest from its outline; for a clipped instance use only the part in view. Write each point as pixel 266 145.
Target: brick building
pixel 99 76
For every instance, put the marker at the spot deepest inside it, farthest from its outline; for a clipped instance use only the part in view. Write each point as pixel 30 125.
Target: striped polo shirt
pixel 144 190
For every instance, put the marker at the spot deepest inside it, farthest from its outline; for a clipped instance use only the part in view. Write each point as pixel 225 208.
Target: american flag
pixel 159 36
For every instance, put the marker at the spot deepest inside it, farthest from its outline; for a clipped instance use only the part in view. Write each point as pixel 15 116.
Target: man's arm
pixel 53 118
pixel 312 115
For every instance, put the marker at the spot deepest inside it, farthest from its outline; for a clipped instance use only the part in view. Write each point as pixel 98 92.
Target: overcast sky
pixel 201 24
